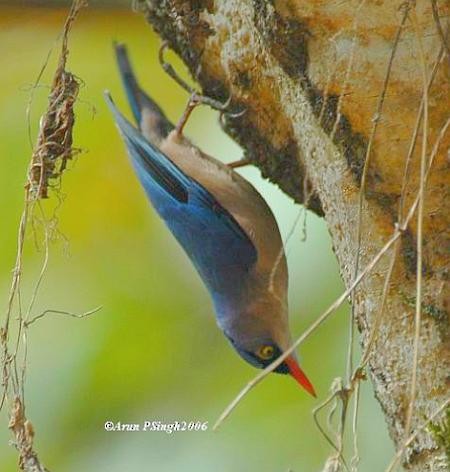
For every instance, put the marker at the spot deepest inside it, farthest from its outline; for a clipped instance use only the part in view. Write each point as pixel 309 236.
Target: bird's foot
pixel 224 113
pixel 240 163
pixel 196 98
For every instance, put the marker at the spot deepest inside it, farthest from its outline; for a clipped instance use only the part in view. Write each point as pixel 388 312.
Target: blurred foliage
pixel 60 3
pixel 153 351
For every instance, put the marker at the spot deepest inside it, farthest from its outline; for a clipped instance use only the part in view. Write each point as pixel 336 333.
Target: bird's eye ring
pixel 266 352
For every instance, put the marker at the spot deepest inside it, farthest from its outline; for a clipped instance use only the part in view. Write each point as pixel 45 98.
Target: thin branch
pixel 440 31
pixel 375 120
pixel 413 142
pixel 195 95
pixel 354 461
pixel 379 316
pixel 419 286
pixel 336 389
pixel 62 312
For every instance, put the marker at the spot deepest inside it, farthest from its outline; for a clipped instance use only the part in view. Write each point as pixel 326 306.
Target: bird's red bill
pixel 299 375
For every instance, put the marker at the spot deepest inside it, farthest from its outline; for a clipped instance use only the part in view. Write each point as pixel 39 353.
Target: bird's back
pixel 245 204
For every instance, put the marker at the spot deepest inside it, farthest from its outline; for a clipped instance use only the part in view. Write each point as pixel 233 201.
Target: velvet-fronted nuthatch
pixel 222 222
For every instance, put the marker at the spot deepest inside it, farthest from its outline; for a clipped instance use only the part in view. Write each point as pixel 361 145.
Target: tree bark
pixel 332 93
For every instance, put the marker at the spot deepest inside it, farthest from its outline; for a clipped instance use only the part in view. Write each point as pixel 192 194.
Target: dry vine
pixel 48 162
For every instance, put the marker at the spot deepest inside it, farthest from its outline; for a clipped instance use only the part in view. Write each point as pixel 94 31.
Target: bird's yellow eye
pixel 265 352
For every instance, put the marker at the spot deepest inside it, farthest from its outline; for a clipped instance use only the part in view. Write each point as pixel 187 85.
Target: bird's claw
pixel 224 114
pixel 196 98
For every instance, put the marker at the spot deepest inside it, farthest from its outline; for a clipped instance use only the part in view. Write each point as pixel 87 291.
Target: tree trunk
pixel 332 93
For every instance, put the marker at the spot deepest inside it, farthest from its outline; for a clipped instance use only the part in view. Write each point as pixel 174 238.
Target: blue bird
pixel 223 224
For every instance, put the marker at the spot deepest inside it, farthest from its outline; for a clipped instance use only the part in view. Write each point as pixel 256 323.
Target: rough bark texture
pixel 309 75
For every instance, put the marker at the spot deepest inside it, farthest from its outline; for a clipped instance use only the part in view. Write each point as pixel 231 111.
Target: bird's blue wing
pixel 220 249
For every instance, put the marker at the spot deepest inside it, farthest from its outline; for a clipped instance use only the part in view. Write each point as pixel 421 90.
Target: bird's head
pixel 262 349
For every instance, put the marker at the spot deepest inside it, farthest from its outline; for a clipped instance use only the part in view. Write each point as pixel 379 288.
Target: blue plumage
pixel 218 247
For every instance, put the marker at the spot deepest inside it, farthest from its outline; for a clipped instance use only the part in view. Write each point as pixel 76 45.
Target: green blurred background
pixel 153 351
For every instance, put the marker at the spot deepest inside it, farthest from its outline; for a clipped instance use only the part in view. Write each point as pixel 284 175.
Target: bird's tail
pixel 148 115
pixel 148 160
